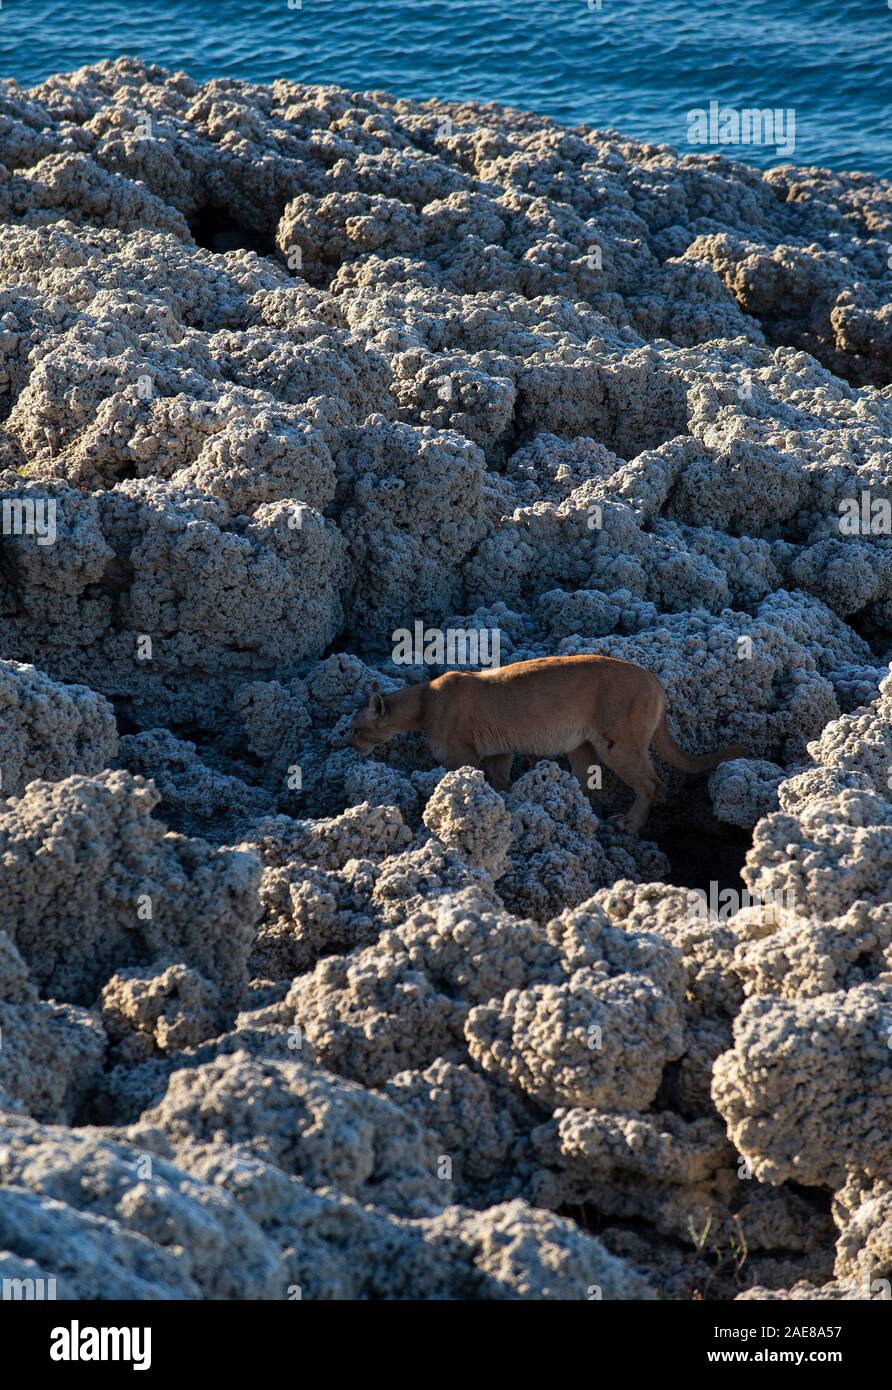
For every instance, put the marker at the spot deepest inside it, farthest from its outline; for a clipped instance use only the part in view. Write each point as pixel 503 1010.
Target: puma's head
pixel 371 724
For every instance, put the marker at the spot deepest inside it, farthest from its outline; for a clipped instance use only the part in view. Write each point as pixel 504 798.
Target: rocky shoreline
pixel 284 370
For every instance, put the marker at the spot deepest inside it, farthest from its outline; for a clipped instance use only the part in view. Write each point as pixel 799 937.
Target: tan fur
pixel 592 709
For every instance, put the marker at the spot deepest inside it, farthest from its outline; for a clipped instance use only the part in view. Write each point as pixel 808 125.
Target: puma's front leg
pixel 455 755
pixel 497 770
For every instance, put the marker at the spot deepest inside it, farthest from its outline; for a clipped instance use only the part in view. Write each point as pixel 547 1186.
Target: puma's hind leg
pixel 634 767
pixel 497 770
pixel 583 764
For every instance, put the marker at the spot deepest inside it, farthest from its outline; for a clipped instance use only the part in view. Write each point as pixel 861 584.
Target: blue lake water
pixel 639 66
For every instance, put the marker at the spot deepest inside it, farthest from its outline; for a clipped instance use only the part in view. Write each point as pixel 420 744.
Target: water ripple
pixel 635 65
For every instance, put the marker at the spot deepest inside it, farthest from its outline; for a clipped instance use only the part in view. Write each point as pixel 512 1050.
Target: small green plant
pixel 726 1259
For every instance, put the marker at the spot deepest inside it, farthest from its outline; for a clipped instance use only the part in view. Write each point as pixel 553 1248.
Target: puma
pixel 593 709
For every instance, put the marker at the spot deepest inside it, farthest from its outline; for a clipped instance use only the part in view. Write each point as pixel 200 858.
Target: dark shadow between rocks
pixel 215 229
pixel 700 857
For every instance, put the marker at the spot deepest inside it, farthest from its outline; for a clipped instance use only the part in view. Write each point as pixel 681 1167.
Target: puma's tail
pixel 669 751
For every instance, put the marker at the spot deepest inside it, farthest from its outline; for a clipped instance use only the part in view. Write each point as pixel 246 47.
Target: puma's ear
pixel 377 705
